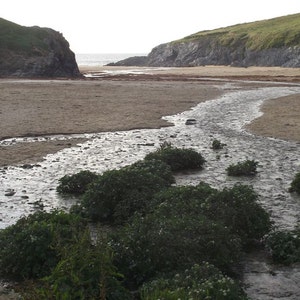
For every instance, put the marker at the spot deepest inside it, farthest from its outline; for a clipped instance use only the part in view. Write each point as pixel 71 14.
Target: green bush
pixel 76 184
pixel 178 159
pixel 85 271
pixel 217 145
pixel 198 282
pixel 117 194
pixel 284 246
pixel 160 242
pixel 246 168
pixel 190 224
pixel 185 200
pixel 27 248
pixel 238 208
pixel 155 167
pixel 295 185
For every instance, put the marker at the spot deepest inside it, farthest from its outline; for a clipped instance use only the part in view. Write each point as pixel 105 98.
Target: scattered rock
pixel 9 192
pixel 27 166
pixel 190 122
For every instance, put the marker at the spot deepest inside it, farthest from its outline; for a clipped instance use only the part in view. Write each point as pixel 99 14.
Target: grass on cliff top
pixel 272 33
pixel 14 37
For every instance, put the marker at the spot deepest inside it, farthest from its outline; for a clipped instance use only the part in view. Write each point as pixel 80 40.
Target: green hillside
pixel 272 33
pixel 14 37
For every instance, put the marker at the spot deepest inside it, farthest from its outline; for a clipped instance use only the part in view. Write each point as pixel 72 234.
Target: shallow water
pixel 221 119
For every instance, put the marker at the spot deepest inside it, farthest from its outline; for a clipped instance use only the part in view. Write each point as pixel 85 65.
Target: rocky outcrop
pixel 274 42
pixel 209 52
pixel 35 52
pixel 131 61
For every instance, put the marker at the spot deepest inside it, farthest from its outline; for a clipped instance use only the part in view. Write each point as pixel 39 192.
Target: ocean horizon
pixel 102 59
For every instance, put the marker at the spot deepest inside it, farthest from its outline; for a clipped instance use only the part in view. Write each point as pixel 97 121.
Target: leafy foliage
pixel 178 159
pixel 295 184
pixel 117 194
pixel 76 184
pixel 285 246
pixel 217 145
pixel 27 248
pixel 85 271
pixel 155 167
pixel 246 168
pixel 202 281
pixel 238 208
pixel 175 235
pixel 190 224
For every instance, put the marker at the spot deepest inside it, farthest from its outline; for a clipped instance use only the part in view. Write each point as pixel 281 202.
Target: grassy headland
pixel 273 33
pixel 21 39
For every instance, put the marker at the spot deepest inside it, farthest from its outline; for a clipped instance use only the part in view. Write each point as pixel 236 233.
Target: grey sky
pixel 136 26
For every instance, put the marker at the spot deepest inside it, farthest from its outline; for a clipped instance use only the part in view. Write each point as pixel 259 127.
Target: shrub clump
pixel 85 271
pixel 76 184
pixel 190 224
pixel 178 159
pixel 160 243
pixel 28 248
pixel 238 208
pixel 117 194
pixel 295 184
pixel 245 168
pixel 284 246
pixel 201 281
pixel 217 145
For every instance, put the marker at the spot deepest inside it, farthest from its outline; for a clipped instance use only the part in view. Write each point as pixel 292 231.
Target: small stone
pixel 190 122
pixel 9 192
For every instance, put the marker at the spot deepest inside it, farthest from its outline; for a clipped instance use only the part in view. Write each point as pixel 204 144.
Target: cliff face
pixel 34 52
pixel 273 42
pixel 209 52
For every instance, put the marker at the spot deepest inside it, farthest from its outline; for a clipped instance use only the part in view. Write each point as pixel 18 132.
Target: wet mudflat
pixel 224 119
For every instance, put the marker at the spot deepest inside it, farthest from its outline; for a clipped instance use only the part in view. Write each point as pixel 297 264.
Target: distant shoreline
pixel 250 73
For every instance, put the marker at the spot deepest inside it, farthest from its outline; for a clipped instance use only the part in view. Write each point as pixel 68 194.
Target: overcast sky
pixel 136 26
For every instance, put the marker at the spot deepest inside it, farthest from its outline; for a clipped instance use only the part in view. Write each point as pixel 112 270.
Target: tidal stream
pixel 223 119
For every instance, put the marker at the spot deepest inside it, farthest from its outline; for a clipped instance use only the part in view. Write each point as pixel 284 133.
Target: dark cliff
pixel 274 42
pixel 34 52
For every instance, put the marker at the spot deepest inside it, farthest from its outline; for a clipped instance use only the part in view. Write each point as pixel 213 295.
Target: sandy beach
pixel 117 101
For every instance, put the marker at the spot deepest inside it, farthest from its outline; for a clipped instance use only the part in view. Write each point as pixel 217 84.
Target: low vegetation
pixel 203 281
pixel 21 39
pixel 28 249
pixel 295 184
pixel 178 159
pixel 217 145
pixel 266 34
pixel 117 194
pixel 163 241
pixel 244 168
pixel 284 246
pixel 76 184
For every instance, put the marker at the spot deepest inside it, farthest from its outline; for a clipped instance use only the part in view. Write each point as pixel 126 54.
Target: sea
pixel 102 59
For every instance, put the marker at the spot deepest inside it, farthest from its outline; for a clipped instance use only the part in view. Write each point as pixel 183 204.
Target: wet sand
pixel 117 101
